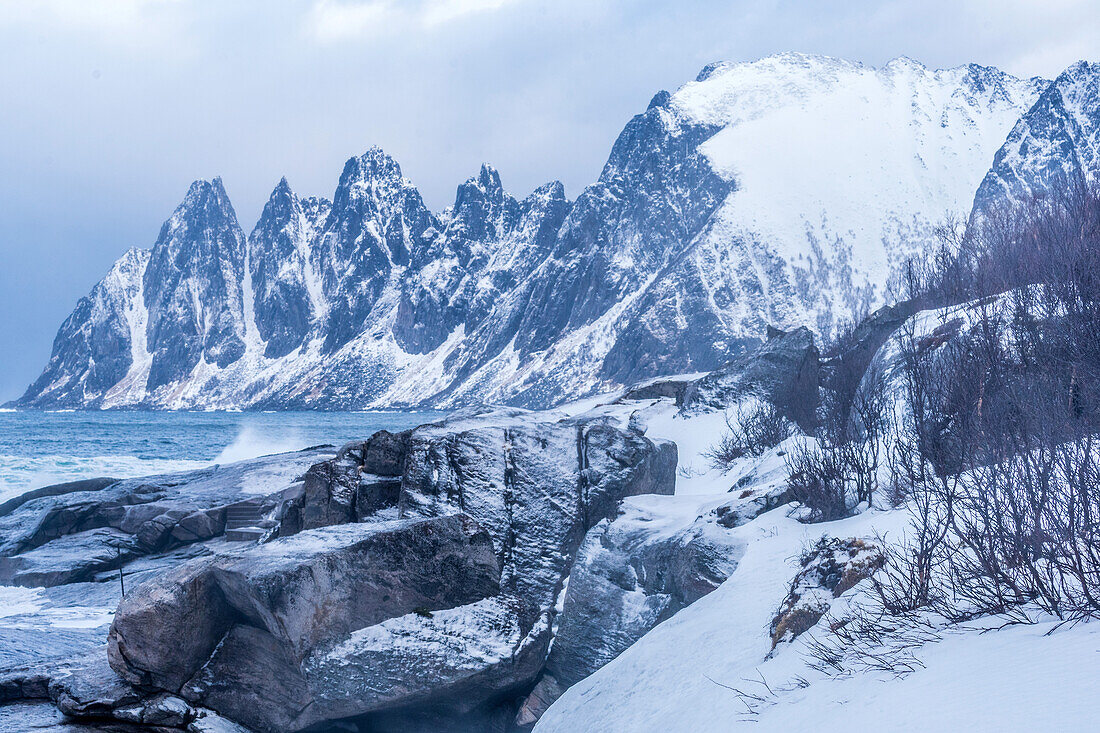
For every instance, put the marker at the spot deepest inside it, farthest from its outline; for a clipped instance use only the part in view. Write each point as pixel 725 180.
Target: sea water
pixel 39 448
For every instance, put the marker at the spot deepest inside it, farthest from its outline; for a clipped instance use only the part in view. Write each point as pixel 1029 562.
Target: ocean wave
pixel 251 443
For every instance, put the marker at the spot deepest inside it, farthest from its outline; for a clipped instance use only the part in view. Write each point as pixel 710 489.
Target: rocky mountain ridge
pixel 784 191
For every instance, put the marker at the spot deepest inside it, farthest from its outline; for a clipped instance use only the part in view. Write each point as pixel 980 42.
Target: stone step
pixel 243 515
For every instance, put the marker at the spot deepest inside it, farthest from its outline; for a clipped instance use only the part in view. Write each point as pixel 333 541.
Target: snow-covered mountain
pixel 784 191
pixel 1056 144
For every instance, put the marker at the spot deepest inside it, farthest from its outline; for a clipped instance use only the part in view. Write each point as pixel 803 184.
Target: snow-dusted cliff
pixel 783 191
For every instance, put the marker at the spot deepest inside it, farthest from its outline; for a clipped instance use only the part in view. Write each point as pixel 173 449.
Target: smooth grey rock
pixel 71 558
pixel 320 585
pixel 166 628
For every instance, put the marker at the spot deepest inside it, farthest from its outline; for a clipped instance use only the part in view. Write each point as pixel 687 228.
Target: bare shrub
pixel 750 433
pixel 819 478
pixel 999 457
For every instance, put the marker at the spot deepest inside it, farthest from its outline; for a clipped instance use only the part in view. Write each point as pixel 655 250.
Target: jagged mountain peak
pixel 282 188
pixel 375 163
pixel 488 178
pixel 205 192
pixel 779 191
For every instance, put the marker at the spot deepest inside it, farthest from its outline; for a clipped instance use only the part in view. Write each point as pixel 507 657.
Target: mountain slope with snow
pixel 784 191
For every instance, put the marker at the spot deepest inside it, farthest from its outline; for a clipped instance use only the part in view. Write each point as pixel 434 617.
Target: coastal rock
pixel 304 591
pixel 74 532
pixel 91 689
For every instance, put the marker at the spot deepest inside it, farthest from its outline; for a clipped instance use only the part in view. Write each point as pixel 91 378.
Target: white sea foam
pixel 252 443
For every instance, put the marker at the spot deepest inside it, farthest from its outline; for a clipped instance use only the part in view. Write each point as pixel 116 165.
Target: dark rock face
pixel 785 371
pixel 536 488
pixel 384 453
pixel 654 195
pixel 378 219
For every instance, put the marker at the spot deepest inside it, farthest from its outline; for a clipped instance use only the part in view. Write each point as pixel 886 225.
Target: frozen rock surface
pixel 75 532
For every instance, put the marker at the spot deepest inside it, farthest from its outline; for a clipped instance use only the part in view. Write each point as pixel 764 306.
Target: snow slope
pixel 677 676
pixel 1013 679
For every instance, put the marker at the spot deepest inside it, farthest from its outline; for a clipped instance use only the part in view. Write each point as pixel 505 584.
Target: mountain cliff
pixel 785 191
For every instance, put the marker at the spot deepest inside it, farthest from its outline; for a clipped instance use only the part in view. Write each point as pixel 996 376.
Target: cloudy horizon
pixel 113 108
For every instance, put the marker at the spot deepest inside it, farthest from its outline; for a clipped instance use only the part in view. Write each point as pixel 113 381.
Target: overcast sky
pixel 109 109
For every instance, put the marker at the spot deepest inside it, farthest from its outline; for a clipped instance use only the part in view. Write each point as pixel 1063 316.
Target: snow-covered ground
pixel 679 676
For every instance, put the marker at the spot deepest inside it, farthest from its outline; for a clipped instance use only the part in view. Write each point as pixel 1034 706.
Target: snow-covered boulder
pixel 830 568
pixel 306 590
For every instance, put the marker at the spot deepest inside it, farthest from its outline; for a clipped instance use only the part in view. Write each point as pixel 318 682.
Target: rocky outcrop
pixel 407 581
pixel 785 371
pixel 1055 145
pixel 73 532
pixel 413 582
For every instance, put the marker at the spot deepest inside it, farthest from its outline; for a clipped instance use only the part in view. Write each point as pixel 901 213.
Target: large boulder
pixel 234 632
pixel 537 487
pixel 412 583
pixel 306 590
